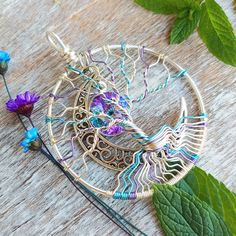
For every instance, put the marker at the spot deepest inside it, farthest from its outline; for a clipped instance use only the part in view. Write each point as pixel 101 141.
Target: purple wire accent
pixel 146 70
pixel 72 146
pixel 134 177
pixel 204 123
pixel 199 125
pixel 132 196
pixel 142 57
pixel 169 130
pixel 152 170
pixel 65 159
pixel 154 177
pixel 72 142
pixel 102 62
pixel 144 75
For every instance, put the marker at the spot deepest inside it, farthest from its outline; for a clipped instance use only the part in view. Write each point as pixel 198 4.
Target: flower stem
pixel 70 178
pixel 43 143
pixel 9 95
pixel 6 86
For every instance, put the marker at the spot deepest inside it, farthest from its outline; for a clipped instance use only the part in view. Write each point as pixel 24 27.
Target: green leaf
pixel 217 32
pixel 213 192
pixel 167 6
pixel 184 26
pixel 183 214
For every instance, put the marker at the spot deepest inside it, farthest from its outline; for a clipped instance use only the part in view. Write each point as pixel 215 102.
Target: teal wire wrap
pixel 133 168
pixel 129 172
pixel 127 189
pixel 84 76
pixel 122 65
pixel 179 150
pixel 61 120
pixel 182 139
pixel 151 138
pixel 182 73
pixel 125 196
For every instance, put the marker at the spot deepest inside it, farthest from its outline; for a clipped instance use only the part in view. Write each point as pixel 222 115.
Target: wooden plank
pixel 35 199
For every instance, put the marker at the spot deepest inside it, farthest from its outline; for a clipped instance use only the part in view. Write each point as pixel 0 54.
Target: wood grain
pixel 35 198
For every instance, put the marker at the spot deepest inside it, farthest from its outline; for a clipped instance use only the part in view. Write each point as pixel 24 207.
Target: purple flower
pixel 23 104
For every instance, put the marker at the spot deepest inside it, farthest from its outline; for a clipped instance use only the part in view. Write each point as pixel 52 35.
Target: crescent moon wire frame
pixel 80 61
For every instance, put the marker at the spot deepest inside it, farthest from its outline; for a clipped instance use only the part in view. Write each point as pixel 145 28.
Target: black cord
pixel 71 179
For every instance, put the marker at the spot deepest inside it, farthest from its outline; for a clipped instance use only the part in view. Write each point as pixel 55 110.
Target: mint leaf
pixel 210 190
pixel 184 26
pixel 217 32
pixel 167 6
pixel 183 214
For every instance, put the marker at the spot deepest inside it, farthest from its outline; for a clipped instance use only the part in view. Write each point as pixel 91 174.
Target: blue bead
pixel 97 122
pixel 4 56
pixel 123 102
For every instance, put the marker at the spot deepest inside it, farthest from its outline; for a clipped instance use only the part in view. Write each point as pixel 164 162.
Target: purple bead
pixel 102 103
pixel 132 196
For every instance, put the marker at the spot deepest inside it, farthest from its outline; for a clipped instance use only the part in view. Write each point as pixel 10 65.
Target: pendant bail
pixel 59 46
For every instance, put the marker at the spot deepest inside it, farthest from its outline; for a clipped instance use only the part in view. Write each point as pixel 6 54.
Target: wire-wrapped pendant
pixel 94 133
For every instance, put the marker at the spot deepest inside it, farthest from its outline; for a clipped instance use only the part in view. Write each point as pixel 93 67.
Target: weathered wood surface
pixel 35 198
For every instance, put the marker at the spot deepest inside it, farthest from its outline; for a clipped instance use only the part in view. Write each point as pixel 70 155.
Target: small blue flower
pixel 31 140
pixel 4 59
pixel 4 56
